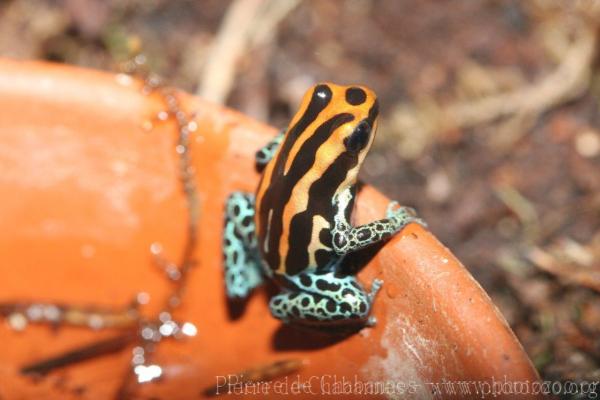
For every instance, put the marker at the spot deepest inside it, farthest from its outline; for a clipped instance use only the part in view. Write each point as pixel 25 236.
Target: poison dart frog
pixel 296 228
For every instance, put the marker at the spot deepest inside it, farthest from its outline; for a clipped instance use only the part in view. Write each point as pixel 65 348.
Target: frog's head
pixel 334 129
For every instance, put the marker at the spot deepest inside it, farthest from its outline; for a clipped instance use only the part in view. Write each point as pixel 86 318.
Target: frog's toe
pixel 402 212
pixel 375 287
pixel 392 208
pixel 279 307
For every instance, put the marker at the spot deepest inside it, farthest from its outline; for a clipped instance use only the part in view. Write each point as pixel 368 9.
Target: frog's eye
pixel 359 137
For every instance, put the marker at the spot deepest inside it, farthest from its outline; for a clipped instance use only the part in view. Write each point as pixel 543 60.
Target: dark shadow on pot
pixel 295 337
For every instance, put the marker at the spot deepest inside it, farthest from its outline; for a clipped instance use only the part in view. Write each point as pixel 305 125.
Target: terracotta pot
pixel 86 190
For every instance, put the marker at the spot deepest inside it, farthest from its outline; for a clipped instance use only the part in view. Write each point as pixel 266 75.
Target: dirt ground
pixel 489 122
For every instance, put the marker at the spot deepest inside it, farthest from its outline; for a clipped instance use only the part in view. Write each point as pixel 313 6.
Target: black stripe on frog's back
pixel 325 187
pixel 301 225
pixel 320 98
pixel 319 101
pixel 278 193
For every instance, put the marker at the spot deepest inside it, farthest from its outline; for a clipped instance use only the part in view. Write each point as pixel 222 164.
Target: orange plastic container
pixel 85 191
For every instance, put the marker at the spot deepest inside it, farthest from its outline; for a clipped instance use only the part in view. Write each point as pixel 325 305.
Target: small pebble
pixel 438 186
pixel 587 143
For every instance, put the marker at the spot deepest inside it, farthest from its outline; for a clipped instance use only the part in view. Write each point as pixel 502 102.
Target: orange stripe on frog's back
pixel 266 178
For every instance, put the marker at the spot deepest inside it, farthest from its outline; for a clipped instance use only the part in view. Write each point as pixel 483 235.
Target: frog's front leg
pixel 243 270
pixel 325 300
pixel 266 153
pixel 348 238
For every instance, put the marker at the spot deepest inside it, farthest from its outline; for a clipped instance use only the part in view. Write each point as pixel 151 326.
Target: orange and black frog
pixel 296 229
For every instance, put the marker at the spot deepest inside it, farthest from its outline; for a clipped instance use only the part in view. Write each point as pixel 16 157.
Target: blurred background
pixel 489 120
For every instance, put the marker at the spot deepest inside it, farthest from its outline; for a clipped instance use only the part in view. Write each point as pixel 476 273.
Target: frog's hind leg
pixel 243 270
pixel 325 300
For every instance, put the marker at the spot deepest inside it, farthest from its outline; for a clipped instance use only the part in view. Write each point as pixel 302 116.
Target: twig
pixel 96 349
pixel 219 71
pixel 570 262
pixel 247 23
pixel 569 80
pixel 264 26
pixel 523 209
pixel 566 82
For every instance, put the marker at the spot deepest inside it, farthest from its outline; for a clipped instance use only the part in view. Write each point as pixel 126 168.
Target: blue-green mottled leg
pixel 266 153
pixel 242 263
pixel 325 300
pixel 348 238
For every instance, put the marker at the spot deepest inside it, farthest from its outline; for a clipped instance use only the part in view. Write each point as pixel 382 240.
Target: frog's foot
pixel 402 216
pixel 375 287
pixel 324 300
pixel 242 265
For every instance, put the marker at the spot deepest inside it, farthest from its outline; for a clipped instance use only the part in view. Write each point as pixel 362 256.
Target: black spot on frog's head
pixel 355 96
